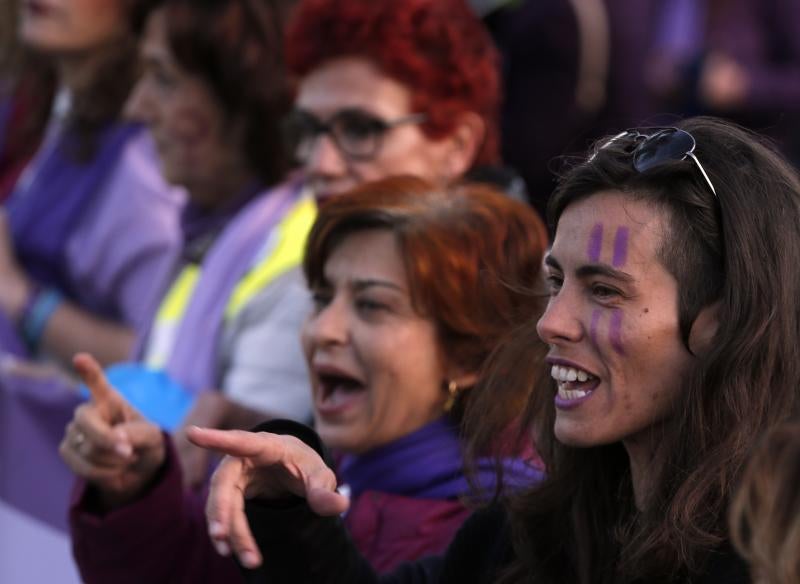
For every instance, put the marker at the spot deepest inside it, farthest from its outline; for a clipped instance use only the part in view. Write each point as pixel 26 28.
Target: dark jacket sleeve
pixel 160 538
pixel 300 546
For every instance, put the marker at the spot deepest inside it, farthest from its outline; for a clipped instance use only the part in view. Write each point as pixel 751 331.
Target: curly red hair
pixel 439 49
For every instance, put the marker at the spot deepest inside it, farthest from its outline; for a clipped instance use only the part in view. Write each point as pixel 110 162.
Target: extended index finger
pixel 92 375
pixel 263 447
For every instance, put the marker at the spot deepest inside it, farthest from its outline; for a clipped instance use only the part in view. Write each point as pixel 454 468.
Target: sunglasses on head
pixel 357 134
pixel 661 146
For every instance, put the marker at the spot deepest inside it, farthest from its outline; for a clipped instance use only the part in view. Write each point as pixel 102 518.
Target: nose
pixel 327 326
pixel 140 106
pixel 560 324
pixel 325 161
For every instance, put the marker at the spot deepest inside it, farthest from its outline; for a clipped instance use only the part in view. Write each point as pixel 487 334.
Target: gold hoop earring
pixel 452 393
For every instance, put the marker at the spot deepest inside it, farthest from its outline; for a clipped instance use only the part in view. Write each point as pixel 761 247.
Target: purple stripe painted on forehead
pixel 615 331
pixel 620 247
pixel 595 243
pixel 593 326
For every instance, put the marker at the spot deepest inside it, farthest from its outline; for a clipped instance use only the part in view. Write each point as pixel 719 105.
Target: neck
pixel 646 459
pixel 75 70
pixel 213 195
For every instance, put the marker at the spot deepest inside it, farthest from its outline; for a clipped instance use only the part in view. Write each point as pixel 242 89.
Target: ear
pixel 704 328
pixel 463 145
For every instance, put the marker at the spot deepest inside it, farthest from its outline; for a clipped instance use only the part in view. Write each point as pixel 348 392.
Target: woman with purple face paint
pixel 673 330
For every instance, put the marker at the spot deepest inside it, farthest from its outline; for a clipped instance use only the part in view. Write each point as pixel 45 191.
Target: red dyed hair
pixel 438 49
pixel 472 255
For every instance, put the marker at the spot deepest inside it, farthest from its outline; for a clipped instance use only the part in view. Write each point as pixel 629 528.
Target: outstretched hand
pixel 108 442
pixel 264 466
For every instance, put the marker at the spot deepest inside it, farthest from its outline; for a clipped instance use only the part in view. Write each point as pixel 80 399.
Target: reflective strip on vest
pixel 286 253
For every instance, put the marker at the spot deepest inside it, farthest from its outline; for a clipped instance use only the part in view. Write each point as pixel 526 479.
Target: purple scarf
pixel 44 215
pixel 428 464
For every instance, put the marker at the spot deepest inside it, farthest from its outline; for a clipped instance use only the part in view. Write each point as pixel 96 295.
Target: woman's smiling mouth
pixel 575 385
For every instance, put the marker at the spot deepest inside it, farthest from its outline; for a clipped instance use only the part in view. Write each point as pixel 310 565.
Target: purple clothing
pixel 541 43
pixel 40 222
pixel 763 36
pixel 109 239
pixel 391 529
pixel 122 252
pixel 122 246
pixel 161 538
pixel 428 464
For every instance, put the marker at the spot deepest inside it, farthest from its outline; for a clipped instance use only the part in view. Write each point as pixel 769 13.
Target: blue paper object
pixel 155 394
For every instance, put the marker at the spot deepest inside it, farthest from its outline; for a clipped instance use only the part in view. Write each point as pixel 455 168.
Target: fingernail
pixel 249 559
pixel 123 449
pixel 215 529
pixel 223 548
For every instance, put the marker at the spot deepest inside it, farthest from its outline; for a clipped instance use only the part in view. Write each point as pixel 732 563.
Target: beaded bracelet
pixel 39 309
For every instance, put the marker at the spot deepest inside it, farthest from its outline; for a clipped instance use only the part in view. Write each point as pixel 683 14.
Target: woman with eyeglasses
pixel 673 330
pixel 393 87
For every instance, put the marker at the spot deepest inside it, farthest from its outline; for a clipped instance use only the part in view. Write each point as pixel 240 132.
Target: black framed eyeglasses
pixel 357 134
pixel 661 146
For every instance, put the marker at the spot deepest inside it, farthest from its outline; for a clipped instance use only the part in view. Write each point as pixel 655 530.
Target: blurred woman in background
pixel 88 232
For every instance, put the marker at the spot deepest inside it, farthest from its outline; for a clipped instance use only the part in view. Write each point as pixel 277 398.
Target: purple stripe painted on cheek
pixel 593 326
pixel 620 247
pixel 615 331
pixel 595 243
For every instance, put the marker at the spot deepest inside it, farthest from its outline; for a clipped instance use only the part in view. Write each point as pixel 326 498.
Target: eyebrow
pixel 592 269
pixel 362 284
pixel 359 285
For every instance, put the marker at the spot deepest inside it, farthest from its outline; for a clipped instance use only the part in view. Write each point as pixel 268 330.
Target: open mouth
pixel 574 384
pixel 338 389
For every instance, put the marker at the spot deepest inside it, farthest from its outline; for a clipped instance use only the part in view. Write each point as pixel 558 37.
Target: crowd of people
pixel 410 291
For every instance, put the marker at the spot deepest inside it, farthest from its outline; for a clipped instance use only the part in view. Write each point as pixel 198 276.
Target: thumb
pixel 139 434
pixel 103 395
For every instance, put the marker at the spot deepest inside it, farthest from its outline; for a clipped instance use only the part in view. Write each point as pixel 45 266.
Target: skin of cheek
pixel 191 128
pixel 593 326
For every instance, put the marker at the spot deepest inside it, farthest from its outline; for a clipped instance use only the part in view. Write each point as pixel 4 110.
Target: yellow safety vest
pixel 285 247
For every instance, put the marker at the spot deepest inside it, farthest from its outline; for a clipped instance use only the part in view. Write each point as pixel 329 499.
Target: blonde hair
pixel 765 513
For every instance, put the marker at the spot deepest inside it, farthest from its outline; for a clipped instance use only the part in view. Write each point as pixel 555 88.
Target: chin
pixel 570 434
pixel 338 437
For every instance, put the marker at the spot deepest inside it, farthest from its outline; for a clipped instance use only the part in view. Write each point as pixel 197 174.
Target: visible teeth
pixel 571 394
pixel 560 373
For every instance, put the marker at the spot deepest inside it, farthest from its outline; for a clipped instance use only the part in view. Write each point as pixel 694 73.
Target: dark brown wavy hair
pixel 236 47
pixel 765 514
pixel 739 251
pixel 473 257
